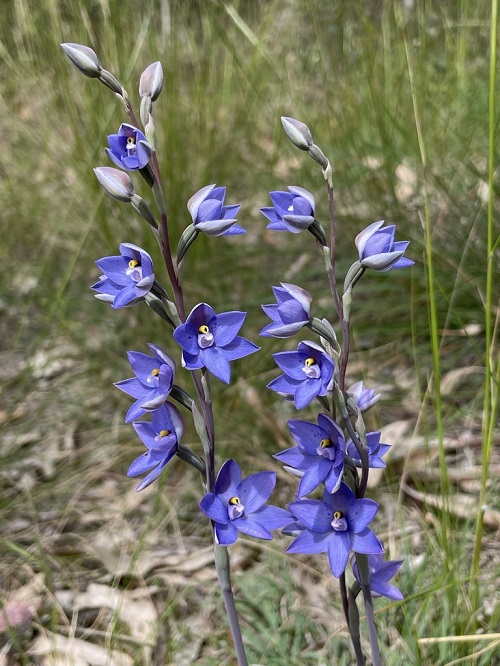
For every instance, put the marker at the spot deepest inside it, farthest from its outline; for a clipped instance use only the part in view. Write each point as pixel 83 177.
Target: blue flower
pixel 209 340
pixel 377 249
pixel 320 453
pixel 290 313
pixel 336 525
pixel 375 450
pixel 291 211
pixel 211 216
pixel 308 373
pixel 129 148
pixel 238 505
pixel 127 278
pixel 152 383
pixel 363 398
pixel 381 572
pixel 161 437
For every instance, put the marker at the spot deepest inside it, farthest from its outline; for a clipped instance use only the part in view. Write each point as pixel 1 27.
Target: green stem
pixel 490 404
pixel 364 575
pixel 223 569
pixel 433 319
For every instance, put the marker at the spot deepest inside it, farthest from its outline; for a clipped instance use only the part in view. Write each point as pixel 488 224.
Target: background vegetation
pixel 399 96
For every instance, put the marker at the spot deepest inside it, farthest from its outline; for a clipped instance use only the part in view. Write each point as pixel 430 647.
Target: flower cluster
pixel 327 451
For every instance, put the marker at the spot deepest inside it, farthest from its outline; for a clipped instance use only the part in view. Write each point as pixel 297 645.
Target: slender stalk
pixel 490 404
pixel 354 620
pixel 432 308
pixel 350 608
pixel 223 568
pixel 372 629
pixel 165 240
pixel 333 244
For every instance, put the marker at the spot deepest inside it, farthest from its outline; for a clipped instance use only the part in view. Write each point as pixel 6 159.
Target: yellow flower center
pixel 130 141
pixel 133 263
pixel 325 443
pixel 338 515
pixel 203 329
pixel 164 433
pixel 155 372
pixel 234 501
pixel 309 361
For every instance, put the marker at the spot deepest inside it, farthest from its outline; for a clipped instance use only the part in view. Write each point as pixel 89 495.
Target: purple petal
pixel 196 200
pixel 248 525
pixel 228 479
pixel 124 297
pixel 334 478
pixel 214 508
pixel 187 337
pixel 115 269
pixel 235 230
pixel 291 364
pixel 132 387
pixel 380 242
pixel 306 392
pixel 315 515
pixel 283 384
pixel 255 490
pixel 142 464
pixel 227 326
pixel 363 237
pixel 315 475
pixel 361 512
pixel 135 411
pixel 216 362
pixel 215 227
pixel 239 348
pixel 307 435
pixel 209 210
pixel 310 543
pixel 366 542
pixel 226 534
pixel 294 457
pixel 272 517
pixel 338 552
pixel 148 480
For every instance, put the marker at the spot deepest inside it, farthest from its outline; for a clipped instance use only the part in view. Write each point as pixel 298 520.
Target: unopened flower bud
pixel 318 156
pixel 110 81
pixel 84 59
pixel 151 81
pixel 298 133
pixel 146 107
pixel 116 183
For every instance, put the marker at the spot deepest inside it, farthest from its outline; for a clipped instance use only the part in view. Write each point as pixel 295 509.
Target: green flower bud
pixel 116 183
pixel 298 133
pixel 84 59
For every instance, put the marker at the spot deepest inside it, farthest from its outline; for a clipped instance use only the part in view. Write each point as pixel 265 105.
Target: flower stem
pixel 364 575
pixel 350 609
pixel 222 567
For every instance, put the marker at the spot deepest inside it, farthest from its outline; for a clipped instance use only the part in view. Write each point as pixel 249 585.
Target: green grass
pixel 391 94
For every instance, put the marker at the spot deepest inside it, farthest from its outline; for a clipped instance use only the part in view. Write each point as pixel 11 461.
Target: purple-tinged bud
pixel 116 183
pixel 151 81
pixel 84 59
pixel 298 133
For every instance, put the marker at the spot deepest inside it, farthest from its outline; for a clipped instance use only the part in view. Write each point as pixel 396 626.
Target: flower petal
pixel 252 527
pixel 338 552
pixel 226 534
pixel 255 490
pixel 214 508
pixel 310 543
